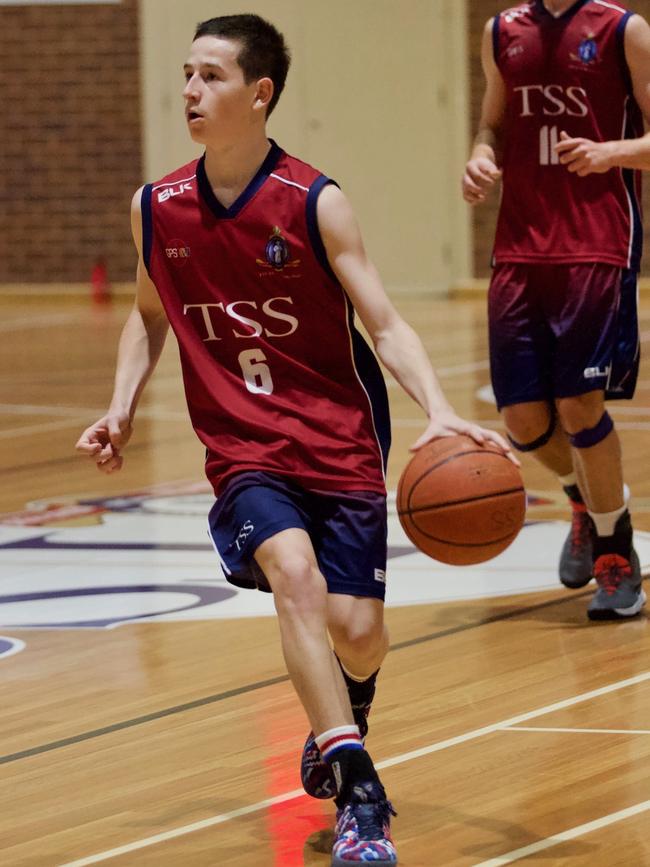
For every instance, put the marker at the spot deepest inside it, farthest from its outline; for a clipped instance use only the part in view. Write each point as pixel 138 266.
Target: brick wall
pixel 70 153
pixel 485 216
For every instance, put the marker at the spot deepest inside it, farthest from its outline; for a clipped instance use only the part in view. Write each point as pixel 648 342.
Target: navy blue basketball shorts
pixel 562 330
pixel 348 530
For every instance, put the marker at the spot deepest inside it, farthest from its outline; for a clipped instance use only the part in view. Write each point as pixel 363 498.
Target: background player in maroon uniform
pixel 561 120
pixel 256 259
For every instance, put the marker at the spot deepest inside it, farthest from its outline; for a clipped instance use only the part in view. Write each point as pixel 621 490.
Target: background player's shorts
pixel 562 330
pixel 348 531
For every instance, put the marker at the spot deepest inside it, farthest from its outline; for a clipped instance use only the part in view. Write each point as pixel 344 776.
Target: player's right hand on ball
pixel 103 441
pixel 480 176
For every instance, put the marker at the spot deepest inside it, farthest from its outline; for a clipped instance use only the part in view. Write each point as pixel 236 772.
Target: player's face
pixel 219 105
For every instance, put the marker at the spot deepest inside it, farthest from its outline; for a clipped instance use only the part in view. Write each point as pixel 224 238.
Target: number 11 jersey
pixel 566 74
pixel 276 376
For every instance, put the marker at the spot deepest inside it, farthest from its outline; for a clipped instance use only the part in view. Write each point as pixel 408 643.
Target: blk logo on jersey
pixel 277 253
pixel 512 14
pixel 170 192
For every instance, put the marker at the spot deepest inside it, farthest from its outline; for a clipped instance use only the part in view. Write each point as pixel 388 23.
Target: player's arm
pixel 141 343
pixel 396 343
pixel 481 171
pixel 584 156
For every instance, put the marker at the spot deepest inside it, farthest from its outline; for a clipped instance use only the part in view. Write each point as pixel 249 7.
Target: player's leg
pixel 300 595
pixel 301 599
pixel 533 428
pixel 521 347
pixel 597 452
pixel 360 638
pixel 350 533
pixel 590 332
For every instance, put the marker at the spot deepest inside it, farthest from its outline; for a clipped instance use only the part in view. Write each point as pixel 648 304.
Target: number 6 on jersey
pixel 257 375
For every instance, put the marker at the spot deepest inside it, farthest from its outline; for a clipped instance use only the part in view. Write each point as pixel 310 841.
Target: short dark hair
pixel 264 53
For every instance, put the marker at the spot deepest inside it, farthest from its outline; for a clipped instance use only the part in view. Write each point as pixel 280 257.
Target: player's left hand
pixel 583 156
pixel 446 424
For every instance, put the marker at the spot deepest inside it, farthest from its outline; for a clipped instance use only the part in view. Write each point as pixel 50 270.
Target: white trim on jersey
pixel 611 6
pixel 347 301
pixel 224 566
pixel 627 192
pixel 173 183
pixel 289 183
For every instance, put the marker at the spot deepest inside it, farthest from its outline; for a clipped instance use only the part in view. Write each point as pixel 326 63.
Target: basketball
pixel 461 502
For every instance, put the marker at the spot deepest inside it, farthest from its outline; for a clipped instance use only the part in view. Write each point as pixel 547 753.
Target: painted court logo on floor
pixel 102 563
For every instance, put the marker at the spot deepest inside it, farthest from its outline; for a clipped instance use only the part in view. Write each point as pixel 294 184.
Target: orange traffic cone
pixel 101 288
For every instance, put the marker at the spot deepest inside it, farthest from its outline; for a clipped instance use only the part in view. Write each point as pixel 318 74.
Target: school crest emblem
pixel 277 254
pixel 588 50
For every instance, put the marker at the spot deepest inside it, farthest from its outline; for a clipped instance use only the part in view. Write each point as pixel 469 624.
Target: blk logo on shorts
pixel 596 372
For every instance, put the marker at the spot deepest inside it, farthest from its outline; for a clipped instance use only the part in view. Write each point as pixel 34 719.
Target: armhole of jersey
pixel 147 225
pixel 495 38
pixel 312 224
pixel 620 39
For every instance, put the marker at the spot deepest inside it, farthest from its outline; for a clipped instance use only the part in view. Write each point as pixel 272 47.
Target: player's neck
pixel 558 7
pixel 231 168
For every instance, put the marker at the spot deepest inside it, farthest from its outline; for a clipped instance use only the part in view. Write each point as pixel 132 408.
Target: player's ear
pixel 263 94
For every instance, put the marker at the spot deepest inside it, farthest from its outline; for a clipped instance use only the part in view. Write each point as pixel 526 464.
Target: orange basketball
pixel 461 502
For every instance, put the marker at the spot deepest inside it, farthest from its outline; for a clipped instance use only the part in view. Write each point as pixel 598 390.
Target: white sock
pixel 570 479
pixel 345 737
pixel 606 521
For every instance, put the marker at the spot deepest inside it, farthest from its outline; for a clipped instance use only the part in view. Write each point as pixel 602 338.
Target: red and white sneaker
pixel 362 833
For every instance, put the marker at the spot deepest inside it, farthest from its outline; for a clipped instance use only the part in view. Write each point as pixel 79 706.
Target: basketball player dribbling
pixel 566 85
pixel 257 262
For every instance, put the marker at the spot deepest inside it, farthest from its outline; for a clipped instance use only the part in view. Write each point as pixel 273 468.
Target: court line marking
pixel 77 411
pixel 44 321
pixel 73 417
pixel 564 836
pixel 284 678
pixel 577 731
pixel 27 429
pixel 387 763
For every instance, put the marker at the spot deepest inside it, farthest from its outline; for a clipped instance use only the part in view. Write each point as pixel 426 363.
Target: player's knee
pixel 359 639
pixel 594 434
pixel 529 429
pixel 582 412
pixel 298 586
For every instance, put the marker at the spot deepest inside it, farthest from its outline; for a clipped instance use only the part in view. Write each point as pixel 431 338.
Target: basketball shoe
pixel 620 593
pixel 362 832
pixel 618 574
pixel 315 773
pixel 576 558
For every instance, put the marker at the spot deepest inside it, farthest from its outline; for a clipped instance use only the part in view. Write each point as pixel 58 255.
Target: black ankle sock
pixel 361 695
pixel 573 493
pixel 351 768
pixel 620 542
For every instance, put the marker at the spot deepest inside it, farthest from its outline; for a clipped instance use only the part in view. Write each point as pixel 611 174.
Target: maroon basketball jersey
pixel 566 74
pixel 276 376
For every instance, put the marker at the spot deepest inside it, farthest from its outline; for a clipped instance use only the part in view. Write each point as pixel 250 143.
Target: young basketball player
pixel 566 85
pixel 256 260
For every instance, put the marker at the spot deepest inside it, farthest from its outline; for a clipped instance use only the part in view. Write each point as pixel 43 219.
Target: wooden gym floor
pixel 509 728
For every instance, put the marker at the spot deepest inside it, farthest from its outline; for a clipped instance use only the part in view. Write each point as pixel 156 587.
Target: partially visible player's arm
pixel 584 156
pixel 481 171
pixel 141 343
pixel 397 344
